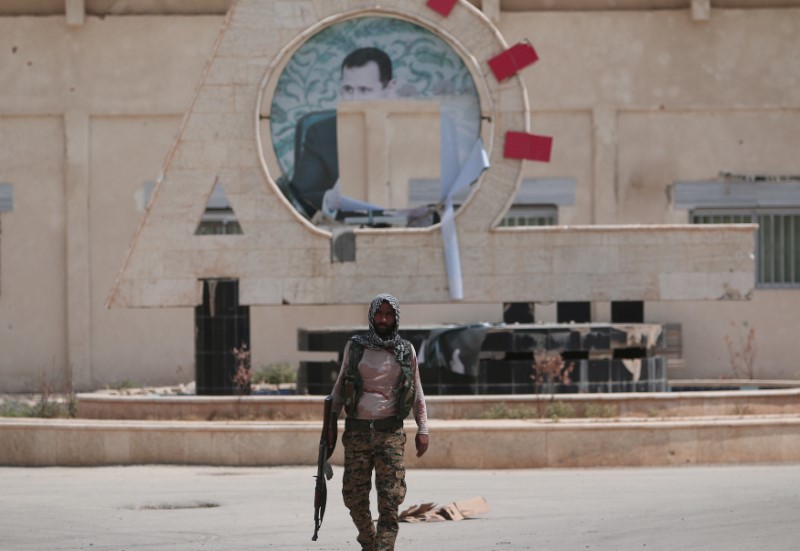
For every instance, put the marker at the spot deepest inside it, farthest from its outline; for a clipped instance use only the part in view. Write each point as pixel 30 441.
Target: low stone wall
pixel 623 405
pixel 475 444
pixel 651 429
pixel 308 408
pixel 200 408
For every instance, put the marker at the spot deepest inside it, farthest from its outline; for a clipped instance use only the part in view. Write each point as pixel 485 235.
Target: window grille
pixel 777 241
pixel 6 197
pixel 219 222
pixel 530 215
pixel 219 218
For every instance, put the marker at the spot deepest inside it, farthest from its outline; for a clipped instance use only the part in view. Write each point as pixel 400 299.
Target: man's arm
pixel 420 409
pixel 336 393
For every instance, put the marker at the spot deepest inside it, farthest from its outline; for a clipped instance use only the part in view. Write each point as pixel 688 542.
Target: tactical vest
pixel 353 384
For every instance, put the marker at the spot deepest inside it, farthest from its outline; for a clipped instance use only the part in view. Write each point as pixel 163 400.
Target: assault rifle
pixel 324 469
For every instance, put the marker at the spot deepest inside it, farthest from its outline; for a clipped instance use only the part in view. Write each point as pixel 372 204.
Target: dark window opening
pixel 518 312
pixel 574 312
pixel 221 325
pixel 627 311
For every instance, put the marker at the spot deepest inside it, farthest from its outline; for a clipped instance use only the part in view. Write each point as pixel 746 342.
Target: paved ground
pixel 201 508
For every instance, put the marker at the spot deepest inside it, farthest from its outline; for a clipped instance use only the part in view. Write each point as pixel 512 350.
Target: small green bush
pixel 559 410
pixel 14 408
pixel 502 411
pixel 49 409
pixel 44 408
pixel 275 374
pixel 604 410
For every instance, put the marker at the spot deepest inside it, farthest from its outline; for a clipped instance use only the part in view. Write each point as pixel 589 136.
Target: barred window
pixel 219 222
pixel 218 218
pixel 777 241
pixel 530 215
pixel 6 198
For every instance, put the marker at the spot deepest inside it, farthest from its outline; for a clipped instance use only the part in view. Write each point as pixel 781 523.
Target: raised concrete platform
pixel 469 444
pixel 649 429
pixel 308 408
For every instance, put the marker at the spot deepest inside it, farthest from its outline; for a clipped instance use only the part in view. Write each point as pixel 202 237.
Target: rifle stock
pixel 324 470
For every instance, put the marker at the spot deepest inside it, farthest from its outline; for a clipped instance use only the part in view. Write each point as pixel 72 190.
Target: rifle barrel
pixel 321 488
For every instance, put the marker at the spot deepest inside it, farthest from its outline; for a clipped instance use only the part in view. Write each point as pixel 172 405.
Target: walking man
pixel 378 386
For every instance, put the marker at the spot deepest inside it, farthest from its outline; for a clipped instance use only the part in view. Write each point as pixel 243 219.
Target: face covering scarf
pixel 371 339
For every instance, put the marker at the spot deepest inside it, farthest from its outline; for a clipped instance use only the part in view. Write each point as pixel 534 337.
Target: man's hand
pixel 422 444
pixel 333 433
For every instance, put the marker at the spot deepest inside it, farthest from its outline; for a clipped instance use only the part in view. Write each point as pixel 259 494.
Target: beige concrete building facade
pixel 647 102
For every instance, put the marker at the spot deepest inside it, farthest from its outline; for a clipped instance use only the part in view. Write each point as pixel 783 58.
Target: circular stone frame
pixel 504 105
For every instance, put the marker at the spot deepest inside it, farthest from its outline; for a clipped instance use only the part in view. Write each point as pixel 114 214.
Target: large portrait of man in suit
pixel 366 74
pixel 362 59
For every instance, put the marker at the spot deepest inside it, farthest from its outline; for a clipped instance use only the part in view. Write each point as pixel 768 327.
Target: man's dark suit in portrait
pixel 366 74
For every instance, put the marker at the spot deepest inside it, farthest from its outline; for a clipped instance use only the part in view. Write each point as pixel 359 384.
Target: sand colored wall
pixel 634 100
pixel 86 117
pixel 280 258
pixel 661 98
pixel 32 252
pixel 157 344
pixel 772 314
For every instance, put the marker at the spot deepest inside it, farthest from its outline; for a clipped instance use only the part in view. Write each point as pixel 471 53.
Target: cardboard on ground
pixel 457 510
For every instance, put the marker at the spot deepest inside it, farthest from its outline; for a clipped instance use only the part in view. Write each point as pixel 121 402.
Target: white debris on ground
pixel 124 390
pixel 457 510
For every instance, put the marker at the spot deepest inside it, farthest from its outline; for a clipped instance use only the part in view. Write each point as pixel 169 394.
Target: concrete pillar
pixel 605 191
pixel 701 10
pixel 78 268
pixel 601 312
pixel 75 12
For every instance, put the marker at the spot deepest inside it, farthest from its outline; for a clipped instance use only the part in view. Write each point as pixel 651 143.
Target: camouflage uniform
pixel 383 451
pixel 378 385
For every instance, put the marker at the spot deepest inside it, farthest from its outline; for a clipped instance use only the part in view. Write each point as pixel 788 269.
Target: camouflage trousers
pixel 383 452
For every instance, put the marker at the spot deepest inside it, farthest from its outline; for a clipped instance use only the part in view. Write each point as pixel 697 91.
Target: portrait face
pixel 397 64
pixel 364 83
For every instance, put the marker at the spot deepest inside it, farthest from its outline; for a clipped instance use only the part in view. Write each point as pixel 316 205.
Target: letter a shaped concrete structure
pixel 282 258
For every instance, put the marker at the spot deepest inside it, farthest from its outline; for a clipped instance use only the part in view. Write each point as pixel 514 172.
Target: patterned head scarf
pixel 371 339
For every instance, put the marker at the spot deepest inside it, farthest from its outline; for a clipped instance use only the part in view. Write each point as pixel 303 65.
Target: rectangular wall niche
pixel 6 197
pixel 574 312
pixel 221 325
pixel 627 311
